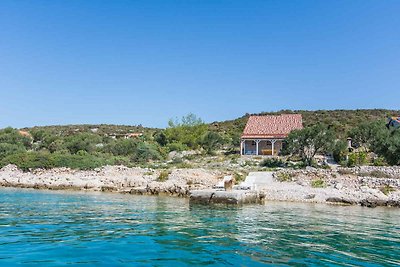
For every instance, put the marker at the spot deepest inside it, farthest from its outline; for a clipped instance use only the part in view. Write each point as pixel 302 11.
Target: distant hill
pixel 100 129
pixel 340 120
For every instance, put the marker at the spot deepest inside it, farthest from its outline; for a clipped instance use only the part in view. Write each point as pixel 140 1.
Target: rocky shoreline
pixel 112 179
pixel 367 186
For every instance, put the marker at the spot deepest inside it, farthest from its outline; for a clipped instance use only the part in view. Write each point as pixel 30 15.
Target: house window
pixel 253 143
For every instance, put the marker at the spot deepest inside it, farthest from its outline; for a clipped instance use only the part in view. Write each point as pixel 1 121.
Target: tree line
pixel 374 136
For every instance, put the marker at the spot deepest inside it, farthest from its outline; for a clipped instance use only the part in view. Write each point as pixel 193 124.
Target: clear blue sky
pixel 143 62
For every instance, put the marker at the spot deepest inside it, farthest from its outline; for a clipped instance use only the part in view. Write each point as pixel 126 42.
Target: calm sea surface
pixel 44 228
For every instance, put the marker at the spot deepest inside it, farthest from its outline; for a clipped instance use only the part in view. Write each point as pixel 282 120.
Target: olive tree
pixel 387 145
pixel 309 141
pixel 365 134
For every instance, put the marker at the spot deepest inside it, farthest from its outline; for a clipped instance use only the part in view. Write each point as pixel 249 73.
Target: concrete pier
pixel 247 192
pixel 236 197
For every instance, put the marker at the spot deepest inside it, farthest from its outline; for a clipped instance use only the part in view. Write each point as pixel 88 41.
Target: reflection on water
pixel 63 228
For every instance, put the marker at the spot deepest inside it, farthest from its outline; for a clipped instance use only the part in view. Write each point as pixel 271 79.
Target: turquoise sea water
pixel 44 228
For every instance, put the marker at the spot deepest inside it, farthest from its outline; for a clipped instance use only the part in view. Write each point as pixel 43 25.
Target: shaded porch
pixel 261 147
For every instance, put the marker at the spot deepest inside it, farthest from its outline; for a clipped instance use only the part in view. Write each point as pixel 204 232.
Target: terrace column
pixel 273 146
pixel 257 142
pixel 241 147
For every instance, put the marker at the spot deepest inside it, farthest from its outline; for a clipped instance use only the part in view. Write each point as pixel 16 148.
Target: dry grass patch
pixel 387 189
pixel 163 176
pixel 284 177
pixel 319 183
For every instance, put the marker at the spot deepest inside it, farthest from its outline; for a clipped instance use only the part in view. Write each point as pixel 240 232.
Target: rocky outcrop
pixel 368 186
pixel 379 182
pixel 345 186
pixel 340 200
pixel 367 202
pixel 387 171
pixel 236 197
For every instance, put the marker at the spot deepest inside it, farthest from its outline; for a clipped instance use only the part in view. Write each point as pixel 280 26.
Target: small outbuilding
pixel 265 134
pixel 393 122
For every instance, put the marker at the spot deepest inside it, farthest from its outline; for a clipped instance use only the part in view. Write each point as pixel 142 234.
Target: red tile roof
pixel 129 135
pixel 270 126
pixel 25 133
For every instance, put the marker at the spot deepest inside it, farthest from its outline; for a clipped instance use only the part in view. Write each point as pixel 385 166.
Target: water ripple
pixel 43 228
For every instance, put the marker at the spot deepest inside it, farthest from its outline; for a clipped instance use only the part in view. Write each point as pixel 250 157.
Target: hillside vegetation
pixel 92 146
pixel 99 129
pixel 340 120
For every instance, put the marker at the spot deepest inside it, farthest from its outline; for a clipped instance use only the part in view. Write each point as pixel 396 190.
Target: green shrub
pixel 188 131
pixel 234 161
pixel 318 183
pixel 82 141
pixel 387 189
pixel 46 160
pixel 365 134
pixel 357 159
pixel 145 152
pixel 56 145
pixel 122 147
pixel 379 161
pixel 284 177
pixel 12 136
pixel 239 177
pixel 352 160
pixel 210 141
pixel 137 150
pixel 30 160
pixel 120 160
pixel 250 163
pixel 161 138
pixel 272 163
pixel 340 151
pixel 9 149
pixel 176 146
pixel 387 145
pixel 362 158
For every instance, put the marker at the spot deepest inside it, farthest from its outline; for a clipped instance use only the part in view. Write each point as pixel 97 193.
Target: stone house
pixel 265 135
